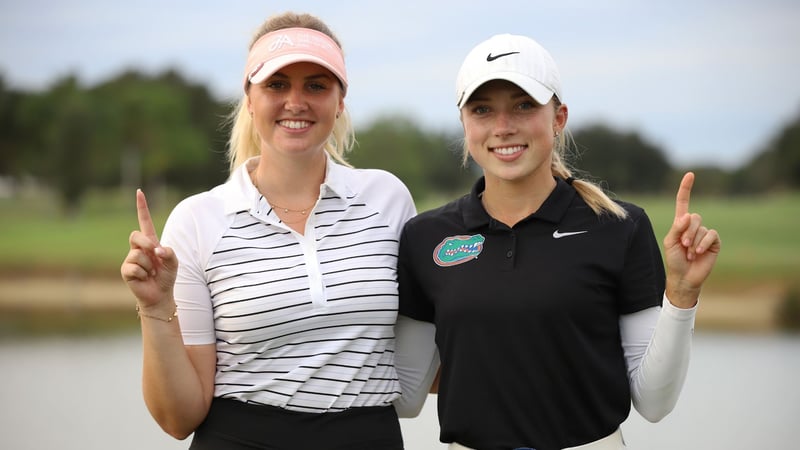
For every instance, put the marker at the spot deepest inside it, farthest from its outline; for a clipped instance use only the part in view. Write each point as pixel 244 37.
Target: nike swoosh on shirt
pixel 491 57
pixel 558 235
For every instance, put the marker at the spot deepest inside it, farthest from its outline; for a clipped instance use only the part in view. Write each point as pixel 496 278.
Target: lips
pixel 508 151
pixel 294 124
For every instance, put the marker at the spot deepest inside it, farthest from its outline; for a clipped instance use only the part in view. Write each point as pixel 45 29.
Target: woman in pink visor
pixel 276 330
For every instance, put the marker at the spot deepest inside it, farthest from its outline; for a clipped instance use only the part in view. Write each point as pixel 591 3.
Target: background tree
pixel 787 152
pixel 57 129
pixel 428 163
pixel 137 130
pixel 622 161
pixel 11 137
pixel 165 127
pixel 776 167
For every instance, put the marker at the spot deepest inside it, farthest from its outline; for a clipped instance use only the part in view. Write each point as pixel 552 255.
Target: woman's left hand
pixel 690 250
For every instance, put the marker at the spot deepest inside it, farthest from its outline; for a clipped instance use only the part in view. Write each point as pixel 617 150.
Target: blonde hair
pixel 592 194
pixel 244 140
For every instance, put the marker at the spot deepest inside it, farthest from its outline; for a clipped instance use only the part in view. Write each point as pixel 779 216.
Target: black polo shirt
pixel 527 318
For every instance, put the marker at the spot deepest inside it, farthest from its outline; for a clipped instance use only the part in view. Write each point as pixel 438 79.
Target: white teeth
pixel 294 124
pixel 508 150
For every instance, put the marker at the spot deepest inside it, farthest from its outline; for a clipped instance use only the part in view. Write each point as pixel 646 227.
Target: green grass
pixel 760 241
pixel 759 234
pixel 77 323
pixel 37 237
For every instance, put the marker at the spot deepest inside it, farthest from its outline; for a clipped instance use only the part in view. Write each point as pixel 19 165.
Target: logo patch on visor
pixel 456 250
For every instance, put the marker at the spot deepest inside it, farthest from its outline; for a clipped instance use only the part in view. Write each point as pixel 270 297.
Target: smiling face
pixel 294 109
pixel 510 135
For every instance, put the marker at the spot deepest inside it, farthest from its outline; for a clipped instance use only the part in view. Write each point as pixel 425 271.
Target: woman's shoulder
pixel 634 211
pixel 636 216
pixel 198 216
pixel 203 209
pixel 379 189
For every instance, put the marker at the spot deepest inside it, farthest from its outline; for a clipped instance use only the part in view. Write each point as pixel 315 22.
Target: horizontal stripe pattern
pixel 276 344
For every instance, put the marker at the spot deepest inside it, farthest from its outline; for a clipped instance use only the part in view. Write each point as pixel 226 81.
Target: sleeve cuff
pixel 678 313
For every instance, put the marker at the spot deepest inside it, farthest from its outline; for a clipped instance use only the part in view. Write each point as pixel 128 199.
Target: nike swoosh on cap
pixel 558 235
pixel 491 57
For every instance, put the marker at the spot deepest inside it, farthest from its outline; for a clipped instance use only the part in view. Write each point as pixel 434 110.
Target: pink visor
pixel 280 48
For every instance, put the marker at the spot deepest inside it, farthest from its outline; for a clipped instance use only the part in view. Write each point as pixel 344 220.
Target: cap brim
pixel 268 68
pixel 537 90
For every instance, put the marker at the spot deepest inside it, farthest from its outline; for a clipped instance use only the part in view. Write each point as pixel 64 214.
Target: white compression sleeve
pixel 416 361
pixel 657 345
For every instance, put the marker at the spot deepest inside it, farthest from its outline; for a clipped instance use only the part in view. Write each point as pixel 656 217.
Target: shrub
pixel 789 309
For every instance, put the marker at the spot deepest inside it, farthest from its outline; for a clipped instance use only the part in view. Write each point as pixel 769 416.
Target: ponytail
pixel 592 194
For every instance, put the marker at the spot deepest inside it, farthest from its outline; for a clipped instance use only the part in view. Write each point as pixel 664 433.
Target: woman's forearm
pixel 177 381
pixel 657 376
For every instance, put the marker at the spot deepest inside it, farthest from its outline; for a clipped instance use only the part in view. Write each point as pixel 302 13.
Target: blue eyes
pixel 524 106
pixel 279 85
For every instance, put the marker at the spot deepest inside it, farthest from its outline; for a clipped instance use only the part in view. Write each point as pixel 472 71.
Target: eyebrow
pixel 483 98
pixel 321 75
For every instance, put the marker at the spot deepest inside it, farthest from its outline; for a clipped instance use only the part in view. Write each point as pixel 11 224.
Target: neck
pixel 511 202
pixel 291 184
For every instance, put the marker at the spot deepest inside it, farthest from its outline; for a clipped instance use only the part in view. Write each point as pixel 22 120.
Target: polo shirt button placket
pixel 511 245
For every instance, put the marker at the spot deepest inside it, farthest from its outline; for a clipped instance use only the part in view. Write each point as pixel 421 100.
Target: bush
pixel 789 309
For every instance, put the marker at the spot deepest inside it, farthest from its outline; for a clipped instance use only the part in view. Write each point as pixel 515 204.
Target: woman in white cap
pixel 276 330
pixel 550 301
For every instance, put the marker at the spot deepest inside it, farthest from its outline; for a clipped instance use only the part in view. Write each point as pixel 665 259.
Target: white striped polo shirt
pixel 303 322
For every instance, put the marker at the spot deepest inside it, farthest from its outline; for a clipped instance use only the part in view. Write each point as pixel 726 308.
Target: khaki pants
pixel 613 441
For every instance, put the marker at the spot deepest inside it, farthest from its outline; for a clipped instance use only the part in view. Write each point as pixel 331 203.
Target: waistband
pixel 613 441
pixel 234 425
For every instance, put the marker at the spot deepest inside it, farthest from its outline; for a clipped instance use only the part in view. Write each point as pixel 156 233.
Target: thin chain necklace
pixel 284 209
pixel 288 210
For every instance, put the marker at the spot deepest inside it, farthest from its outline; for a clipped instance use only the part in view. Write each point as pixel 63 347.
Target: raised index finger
pixel 143 213
pixel 684 194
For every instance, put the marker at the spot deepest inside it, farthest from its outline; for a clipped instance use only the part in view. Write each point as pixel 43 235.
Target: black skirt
pixel 235 425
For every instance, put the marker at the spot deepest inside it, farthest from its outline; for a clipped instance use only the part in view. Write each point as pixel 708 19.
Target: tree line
pixel 150 131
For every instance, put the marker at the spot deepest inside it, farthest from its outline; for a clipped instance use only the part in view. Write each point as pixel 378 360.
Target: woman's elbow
pixel 179 435
pixel 654 415
pixel 406 410
pixel 177 430
pixel 179 426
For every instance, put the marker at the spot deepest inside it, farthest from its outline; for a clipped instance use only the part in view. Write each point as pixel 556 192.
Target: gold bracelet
pixel 168 319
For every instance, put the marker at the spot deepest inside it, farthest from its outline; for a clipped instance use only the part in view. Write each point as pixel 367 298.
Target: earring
pixel 555 135
pixel 338 114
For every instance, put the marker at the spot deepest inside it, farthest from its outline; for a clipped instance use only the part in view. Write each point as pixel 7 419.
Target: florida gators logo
pixel 456 250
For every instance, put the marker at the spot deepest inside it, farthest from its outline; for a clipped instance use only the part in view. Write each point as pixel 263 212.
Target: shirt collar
pixel 242 194
pixel 552 210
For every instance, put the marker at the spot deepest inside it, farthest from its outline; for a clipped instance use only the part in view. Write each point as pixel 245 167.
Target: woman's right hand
pixel 149 269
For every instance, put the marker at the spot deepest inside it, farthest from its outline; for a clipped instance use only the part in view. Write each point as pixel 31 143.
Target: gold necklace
pixel 275 207
pixel 288 210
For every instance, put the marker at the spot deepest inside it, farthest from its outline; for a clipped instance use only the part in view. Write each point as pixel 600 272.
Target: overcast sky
pixel 709 81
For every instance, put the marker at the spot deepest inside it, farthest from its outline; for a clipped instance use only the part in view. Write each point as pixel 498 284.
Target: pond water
pixel 85 393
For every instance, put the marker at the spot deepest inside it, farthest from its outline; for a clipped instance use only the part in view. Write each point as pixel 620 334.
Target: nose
pixel 295 101
pixel 503 125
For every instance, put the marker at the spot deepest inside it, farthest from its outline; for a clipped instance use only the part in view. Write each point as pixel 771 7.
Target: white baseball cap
pixel 518 59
